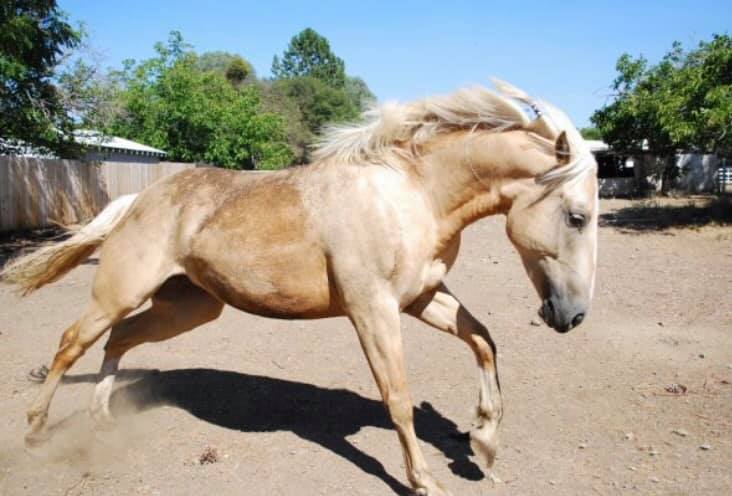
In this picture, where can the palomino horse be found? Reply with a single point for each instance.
(367, 231)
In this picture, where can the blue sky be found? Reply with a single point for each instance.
(562, 51)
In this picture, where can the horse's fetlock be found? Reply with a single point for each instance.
(36, 415)
(425, 484)
(488, 414)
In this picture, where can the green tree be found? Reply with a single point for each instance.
(223, 62)
(309, 54)
(591, 133)
(318, 104)
(196, 115)
(238, 71)
(33, 38)
(359, 93)
(89, 96)
(682, 103)
(311, 89)
(276, 100)
(697, 110)
(631, 122)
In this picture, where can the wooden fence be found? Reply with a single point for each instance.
(38, 192)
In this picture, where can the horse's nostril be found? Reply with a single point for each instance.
(577, 320)
(550, 305)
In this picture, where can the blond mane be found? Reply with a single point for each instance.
(384, 130)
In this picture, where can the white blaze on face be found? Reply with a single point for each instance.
(594, 237)
(579, 249)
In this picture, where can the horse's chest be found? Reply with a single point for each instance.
(431, 273)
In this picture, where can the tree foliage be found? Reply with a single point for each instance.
(237, 71)
(359, 94)
(310, 104)
(682, 103)
(195, 115)
(203, 108)
(88, 95)
(320, 104)
(591, 133)
(311, 86)
(33, 37)
(309, 55)
(233, 66)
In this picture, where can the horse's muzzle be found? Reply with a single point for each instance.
(559, 316)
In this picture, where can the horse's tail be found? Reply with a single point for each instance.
(54, 260)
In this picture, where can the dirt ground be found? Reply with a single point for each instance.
(250, 406)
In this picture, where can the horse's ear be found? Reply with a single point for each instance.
(561, 149)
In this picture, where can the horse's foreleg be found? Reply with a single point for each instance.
(178, 306)
(378, 327)
(443, 311)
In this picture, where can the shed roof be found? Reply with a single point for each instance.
(597, 145)
(95, 138)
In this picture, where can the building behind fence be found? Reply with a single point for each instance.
(622, 175)
(37, 192)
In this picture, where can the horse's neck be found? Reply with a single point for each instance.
(459, 195)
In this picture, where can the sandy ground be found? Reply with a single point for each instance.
(290, 407)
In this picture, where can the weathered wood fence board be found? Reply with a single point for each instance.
(37, 192)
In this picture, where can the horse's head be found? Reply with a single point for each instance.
(552, 222)
(554, 229)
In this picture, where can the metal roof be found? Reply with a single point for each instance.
(597, 145)
(95, 138)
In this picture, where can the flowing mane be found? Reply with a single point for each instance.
(385, 129)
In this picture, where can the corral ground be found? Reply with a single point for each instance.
(638, 400)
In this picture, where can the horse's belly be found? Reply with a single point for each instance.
(258, 253)
(281, 284)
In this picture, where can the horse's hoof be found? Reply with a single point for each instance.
(35, 439)
(38, 374)
(484, 442)
(103, 421)
(423, 491)
(494, 478)
(431, 488)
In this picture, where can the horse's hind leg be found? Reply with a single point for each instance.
(178, 306)
(442, 310)
(74, 342)
(117, 290)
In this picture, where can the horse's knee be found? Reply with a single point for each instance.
(68, 354)
(69, 335)
(400, 410)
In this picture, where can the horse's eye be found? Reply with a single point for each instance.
(578, 221)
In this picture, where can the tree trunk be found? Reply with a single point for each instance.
(669, 174)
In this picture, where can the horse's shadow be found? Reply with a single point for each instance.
(252, 403)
